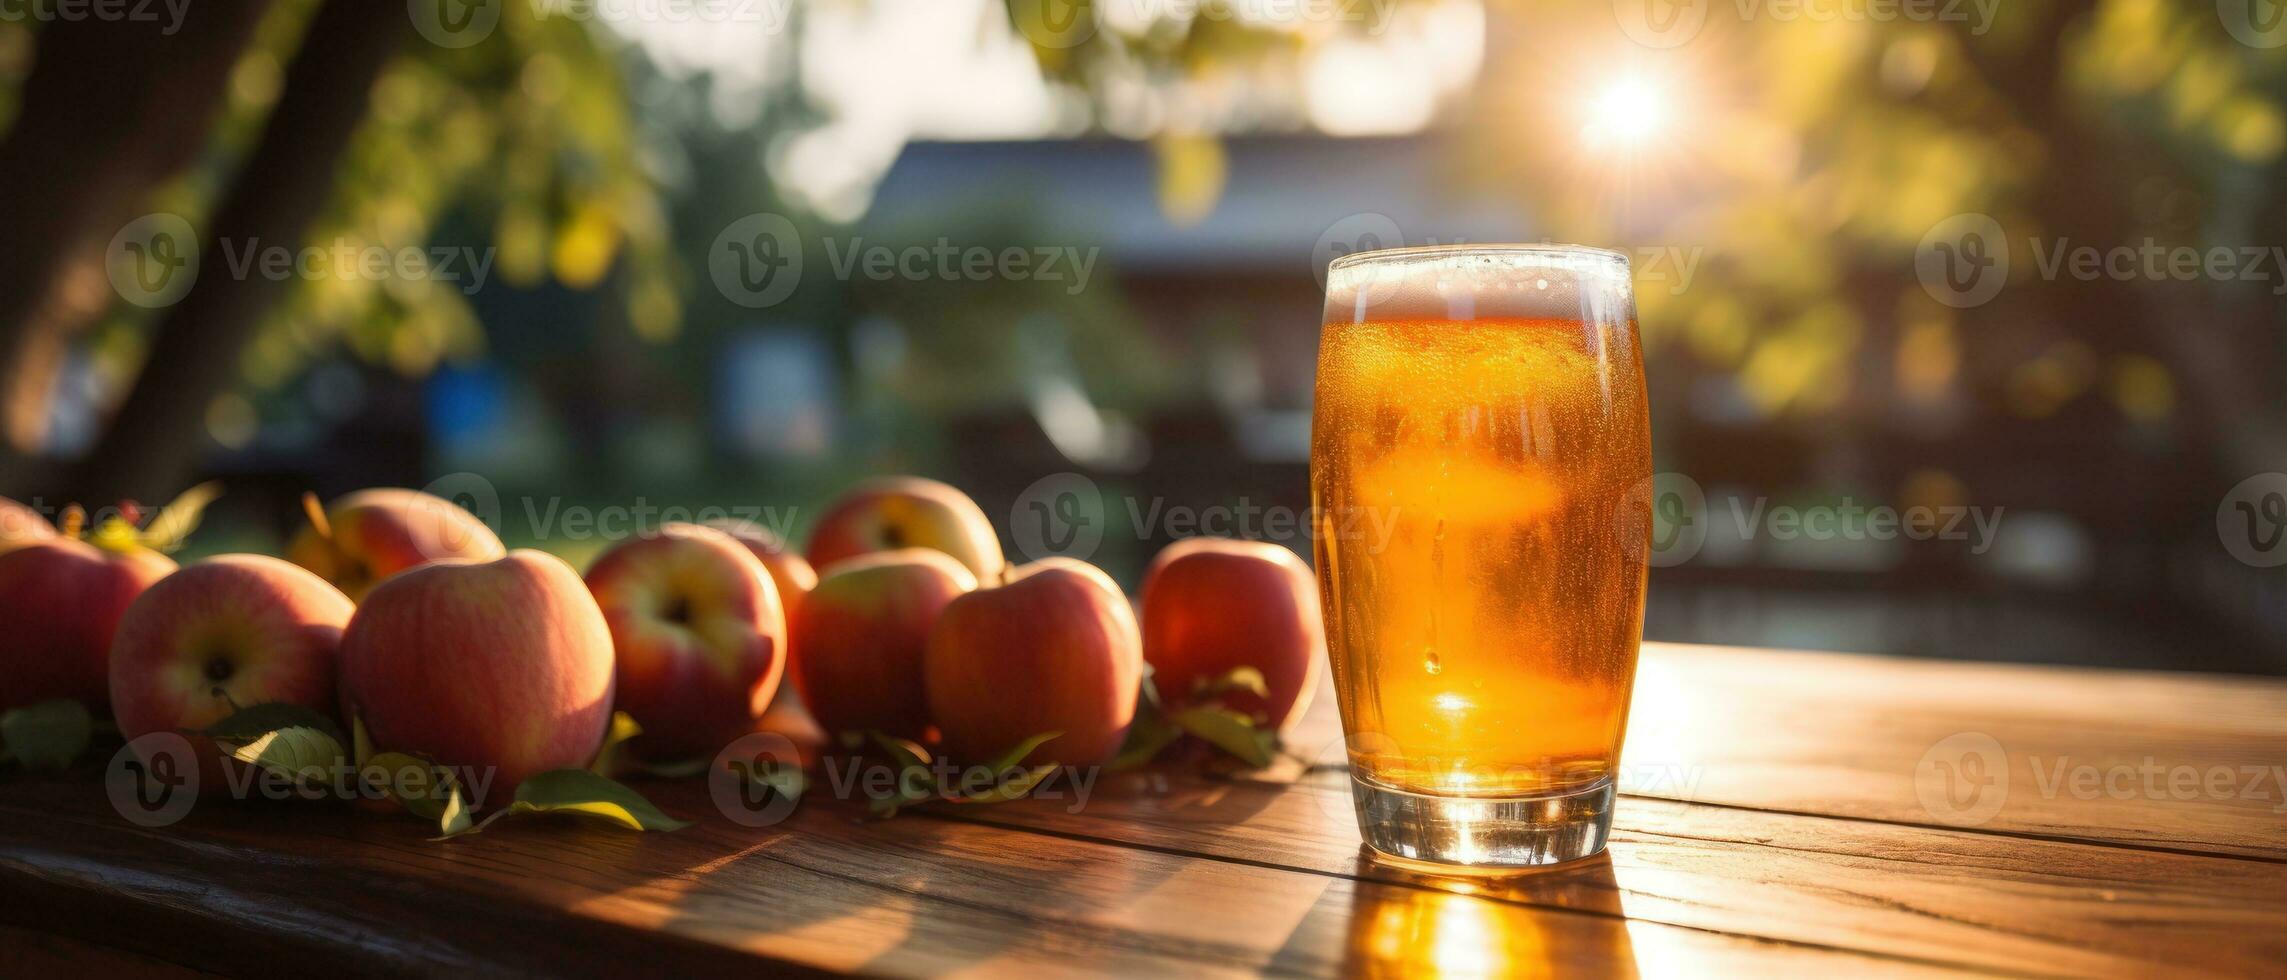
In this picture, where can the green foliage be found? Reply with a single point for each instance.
(48, 735)
(999, 780)
(574, 791)
(302, 755)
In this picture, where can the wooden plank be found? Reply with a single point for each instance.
(260, 888)
(1162, 872)
(1986, 901)
(24, 953)
(1862, 736)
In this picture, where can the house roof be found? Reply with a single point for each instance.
(1282, 195)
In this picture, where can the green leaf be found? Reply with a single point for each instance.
(1239, 679)
(47, 735)
(454, 819)
(180, 517)
(361, 744)
(422, 787)
(581, 792)
(787, 782)
(1008, 760)
(304, 755)
(1230, 731)
(1012, 788)
(1148, 736)
(1147, 694)
(623, 727)
(908, 754)
(249, 723)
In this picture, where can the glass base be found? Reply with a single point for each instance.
(1456, 833)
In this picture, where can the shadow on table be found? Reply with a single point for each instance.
(1561, 921)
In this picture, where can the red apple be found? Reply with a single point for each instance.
(701, 639)
(1212, 605)
(371, 535)
(865, 632)
(499, 669)
(907, 512)
(21, 525)
(222, 634)
(789, 571)
(60, 603)
(1052, 648)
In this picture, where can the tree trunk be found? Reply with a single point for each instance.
(109, 110)
(155, 438)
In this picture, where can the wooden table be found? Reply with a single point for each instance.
(1789, 812)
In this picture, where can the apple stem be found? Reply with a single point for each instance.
(75, 519)
(317, 514)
